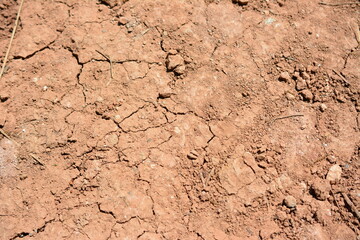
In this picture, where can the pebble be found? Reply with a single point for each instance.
(241, 2)
(305, 75)
(300, 84)
(284, 77)
(322, 107)
(123, 20)
(112, 139)
(4, 96)
(334, 173)
(290, 201)
(290, 96)
(307, 95)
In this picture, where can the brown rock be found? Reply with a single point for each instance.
(285, 77)
(123, 21)
(322, 107)
(290, 201)
(241, 2)
(307, 95)
(301, 84)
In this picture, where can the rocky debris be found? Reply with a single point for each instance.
(307, 95)
(176, 64)
(290, 201)
(320, 190)
(334, 173)
(284, 77)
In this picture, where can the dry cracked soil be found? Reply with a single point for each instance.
(181, 119)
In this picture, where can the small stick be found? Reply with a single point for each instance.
(202, 179)
(209, 176)
(30, 154)
(290, 116)
(351, 205)
(36, 159)
(8, 137)
(338, 4)
(11, 39)
(111, 67)
(341, 76)
(356, 30)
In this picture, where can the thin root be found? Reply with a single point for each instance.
(351, 205)
(111, 66)
(338, 4)
(11, 39)
(289, 116)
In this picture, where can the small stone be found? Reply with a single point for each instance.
(123, 21)
(241, 2)
(173, 51)
(290, 201)
(322, 107)
(281, 3)
(307, 95)
(4, 96)
(320, 190)
(331, 159)
(334, 173)
(300, 84)
(284, 77)
(290, 96)
(305, 75)
(112, 139)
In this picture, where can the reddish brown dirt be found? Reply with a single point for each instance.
(206, 119)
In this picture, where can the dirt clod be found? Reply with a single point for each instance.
(320, 189)
(175, 63)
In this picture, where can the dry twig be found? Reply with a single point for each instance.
(338, 4)
(289, 116)
(111, 66)
(355, 28)
(351, 205)
(341, 76)
(11, 39)
(8, 137)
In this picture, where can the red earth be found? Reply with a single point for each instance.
(182, 119)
